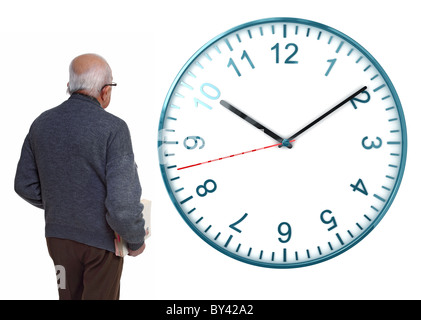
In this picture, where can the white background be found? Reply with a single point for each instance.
(146, 44)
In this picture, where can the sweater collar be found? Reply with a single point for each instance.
(77, 95)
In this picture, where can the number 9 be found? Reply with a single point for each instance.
(195, 138)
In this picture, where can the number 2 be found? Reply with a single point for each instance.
(288, 60)
(367, 99)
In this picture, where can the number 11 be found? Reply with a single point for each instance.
(232, 63)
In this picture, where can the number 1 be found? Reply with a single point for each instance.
(332, 62)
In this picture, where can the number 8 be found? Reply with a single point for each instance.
(204, 187)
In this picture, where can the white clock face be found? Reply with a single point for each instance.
(231, 117)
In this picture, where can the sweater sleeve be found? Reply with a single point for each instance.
(124, 209)
(27, 183)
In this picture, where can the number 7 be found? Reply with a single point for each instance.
(233, 226)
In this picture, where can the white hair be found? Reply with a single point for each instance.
(91, 80)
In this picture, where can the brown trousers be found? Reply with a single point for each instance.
(85, 272)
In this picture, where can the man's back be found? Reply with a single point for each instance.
(82, 154)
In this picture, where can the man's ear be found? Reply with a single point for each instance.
(105, 96)
(105, 92)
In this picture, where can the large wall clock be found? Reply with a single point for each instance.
(282, 142)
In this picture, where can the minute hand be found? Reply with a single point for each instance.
(252, 121)
(327, 113)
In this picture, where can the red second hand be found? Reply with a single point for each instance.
(231, 156)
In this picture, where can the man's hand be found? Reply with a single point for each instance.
(138, 251)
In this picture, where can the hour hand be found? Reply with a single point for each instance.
(256, 124)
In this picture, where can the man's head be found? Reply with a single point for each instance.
(90, 74)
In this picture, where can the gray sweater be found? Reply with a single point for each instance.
(77, 164)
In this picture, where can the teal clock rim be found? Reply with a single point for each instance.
(401, 120)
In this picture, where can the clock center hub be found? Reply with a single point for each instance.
(286, 143)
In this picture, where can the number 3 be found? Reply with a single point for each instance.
(372, 145)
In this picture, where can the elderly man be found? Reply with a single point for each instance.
(77, 164)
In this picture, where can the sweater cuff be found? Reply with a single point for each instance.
(135, 246)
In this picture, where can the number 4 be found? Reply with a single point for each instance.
(359, 187)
